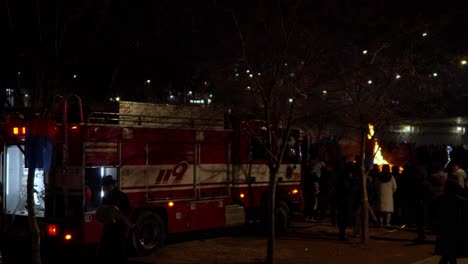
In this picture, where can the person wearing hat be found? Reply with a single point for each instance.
(113, 214)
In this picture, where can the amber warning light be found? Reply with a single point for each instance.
(18, 131)
(68, 236)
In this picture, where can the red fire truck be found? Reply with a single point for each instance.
(184, 168)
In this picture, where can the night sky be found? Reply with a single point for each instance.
(180, 44)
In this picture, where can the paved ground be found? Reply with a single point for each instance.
(306, 243)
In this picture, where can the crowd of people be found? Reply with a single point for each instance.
(429, 193)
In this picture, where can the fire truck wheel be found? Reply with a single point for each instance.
(282, 218)
(149, 233)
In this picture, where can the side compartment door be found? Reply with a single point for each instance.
(212, 170)
(212, 180)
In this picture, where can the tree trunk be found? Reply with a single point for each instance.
(33, 226)
(271, 219)
(365, 201)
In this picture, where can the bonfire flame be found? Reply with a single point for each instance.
(378, 158)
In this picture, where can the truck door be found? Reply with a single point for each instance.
(212, 180)
(212, 170)
(15, 180)
(92, 200)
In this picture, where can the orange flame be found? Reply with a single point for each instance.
(378, 158)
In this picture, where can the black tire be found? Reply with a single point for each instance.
(282, 218)
(149, 233)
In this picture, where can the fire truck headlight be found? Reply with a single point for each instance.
(295, 191)
(241, 195)
(170, 204)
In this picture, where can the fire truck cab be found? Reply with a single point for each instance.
(184, 168)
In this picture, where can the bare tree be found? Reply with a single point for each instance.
(281, 57)
(384, 86)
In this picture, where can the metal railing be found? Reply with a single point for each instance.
(159, 115)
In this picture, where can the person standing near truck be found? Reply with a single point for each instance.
(113, 214)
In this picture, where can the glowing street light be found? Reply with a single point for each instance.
(148, 81)
(398, 76)
(435, 74)
(424, 34)
(290, 100)
(364, 52)
(74, 76)
(369, 81)
(463, 62)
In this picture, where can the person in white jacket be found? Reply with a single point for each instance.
(385, 187)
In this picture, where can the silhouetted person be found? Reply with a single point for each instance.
(419, 195)
(113, 213)
(347, 197)
(324, 194)
(308, 186)
(405, 194)
(371, 179)
(397, 216)
(450, 224)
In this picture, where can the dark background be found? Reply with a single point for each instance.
(113, 47)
